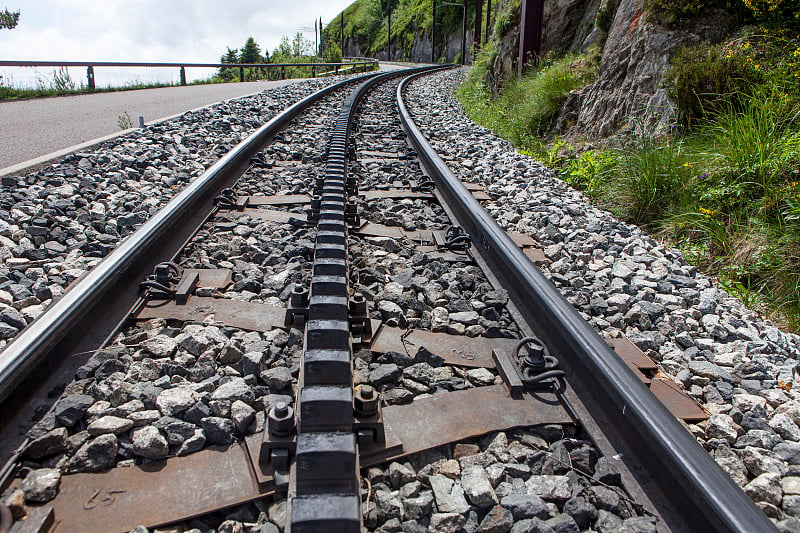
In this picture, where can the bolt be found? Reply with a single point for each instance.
(281, 409)
(367, 392)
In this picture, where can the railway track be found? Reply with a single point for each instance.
(331, 342)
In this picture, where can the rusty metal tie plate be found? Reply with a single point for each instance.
(235, 313)
(457, 350)
(460, 415)
(156, 493)
(397, 193)
(279, 199)
(677, 401)
(273, 215)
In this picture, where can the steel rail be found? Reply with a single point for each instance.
(77, 304)
(659, 449)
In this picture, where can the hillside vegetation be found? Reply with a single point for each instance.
(366, 27)
(722, 182)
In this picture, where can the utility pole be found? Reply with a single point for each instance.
(488, 18)
(389, 35)
(530, 33)
(478, 21)
(464, 35)
(433, 34)
(341, 28)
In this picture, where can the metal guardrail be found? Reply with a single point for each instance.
(695, 493)
(90, 65)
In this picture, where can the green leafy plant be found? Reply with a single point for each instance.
(124, 121)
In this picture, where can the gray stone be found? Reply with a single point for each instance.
(759, 461)
(550, 488)
(583, 512)
(218, 430)
(477, 487)
(497, 520)
(722, 426)
(242, 414)
(524, 506)
(638, 524)
(765, 488)
(41, 485)
(400, 474)
(72, 408)
(607, 472)
(384, 374)
(94, 455)
(149, 443)
(447, 522)
(449, 495)
(172, 402)
(710, 371)
(563, 523)
(234, 389)
(109, 424)
(420, 506)
(278, 378)
(480, 377)
(51, 443)
(192, 444)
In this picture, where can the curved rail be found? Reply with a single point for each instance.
(690, 483)
(31, 346)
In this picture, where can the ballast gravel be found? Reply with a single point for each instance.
(56, 222)
(736, 364)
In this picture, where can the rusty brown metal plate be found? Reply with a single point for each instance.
(273, 215)
(396, 193)
(156, 493)
(217, 278)
(523, 240)
(632, 355)
(474, 186)
(454, 416)
(370, 229)
(279, 199)
(454, 349)
(677, 401)
(244, 315)
(536, 256)
(480, 195)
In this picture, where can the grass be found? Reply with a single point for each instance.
(725, 188)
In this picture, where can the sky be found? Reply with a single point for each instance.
(147, 30)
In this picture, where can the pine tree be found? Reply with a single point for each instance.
(228, 74)
(251, 52)
(8, 19)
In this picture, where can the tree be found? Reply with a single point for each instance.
(8, 19)
(251, 52)
(333, 54)
(301, 46)
(229, 73)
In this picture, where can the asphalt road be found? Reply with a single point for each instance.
(38, 126)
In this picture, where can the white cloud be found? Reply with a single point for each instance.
(152, 30)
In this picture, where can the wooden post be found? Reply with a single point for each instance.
(478, 21)
(464, 34)
(90, 77)
(530, 33)
(183, 75)
(241, 74)
(433, 34)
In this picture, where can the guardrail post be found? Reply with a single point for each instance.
(241, 73)
(336, 71)
(283, 72)
(90, 77)
(313, 71)
(183, 75)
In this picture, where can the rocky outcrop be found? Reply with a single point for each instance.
(630, 81)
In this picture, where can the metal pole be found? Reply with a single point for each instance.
(341, 27)
(183, 76)
(530, 33)
(488, 17)
(433, 34)
(389, 36)
(464, 34)
(241, 74)
(478, 21)
(90, 77)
